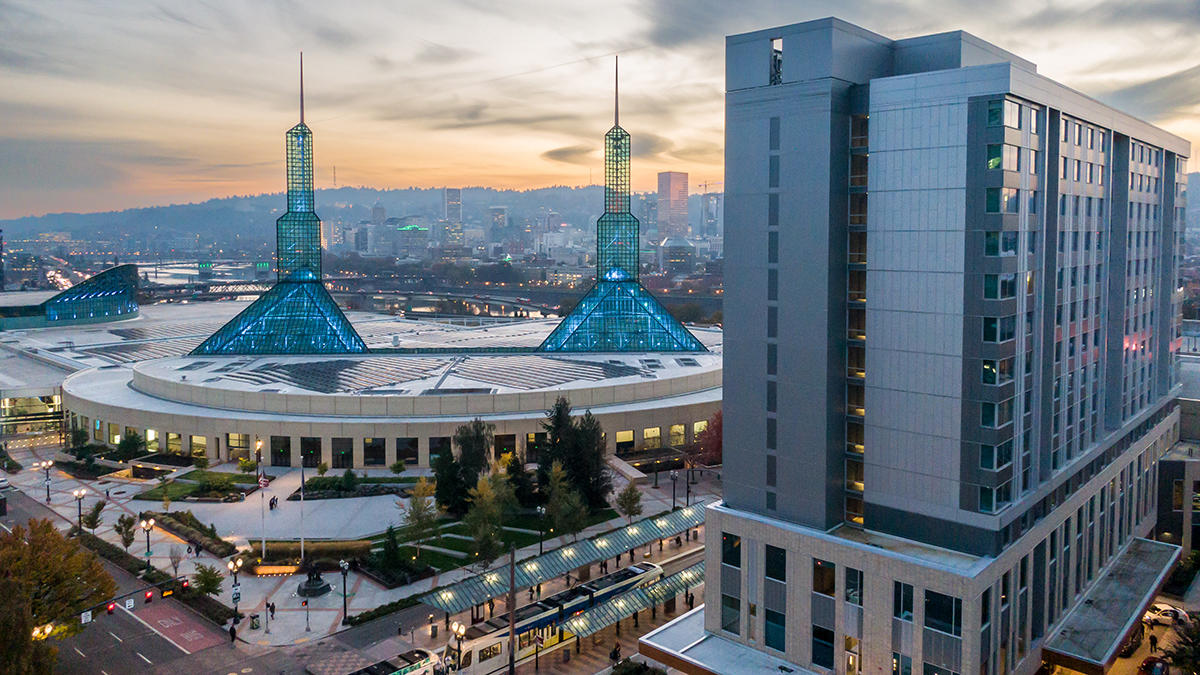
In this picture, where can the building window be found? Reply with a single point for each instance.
(858, 170)
(238, 445)
(1001, 200)
(773, 209)
(771, 395)
(374, 452)
(699, 428)
(731, 550)
(1005, 157)
(999, 286)
(999, 329)
(677, 437)
(772, 284)
(773, 177)
(199, 446)
(406, 450)
(772, 433)
(152, 440)
(775, 630)
(902, 601)
(624, 441)
(774, 139)
(943, 613)
(652, 438)
(343, 453)
(771, 501)
(858, 131)
(310, 451)
(772, 322)
(731, 608)
(995, 500)
(854, 586)
(772, 247)
(174, 443)
(997, 371)
(995, 415)
(822, 647)
(281, 451)
(995, 457)
(1000, 243)
(771, 470)
(901, 664)
(824, 578)
(772, 358)
(930, 669)
(775, 566)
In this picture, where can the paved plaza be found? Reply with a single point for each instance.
(242, 524)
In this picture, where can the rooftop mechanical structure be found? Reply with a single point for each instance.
(618, 314)
(297, 316)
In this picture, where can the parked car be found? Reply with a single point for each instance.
(4, 485)
(1153, 665)
(1131, 643)
(1162, 614)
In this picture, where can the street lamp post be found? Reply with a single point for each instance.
(233, 568)
(79, 493)
(147, 525)
(345, 591)
(458, 630)
(45, 466)
(541, 511)
(262, 494)
(674, 477)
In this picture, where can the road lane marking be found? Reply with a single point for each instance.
(141, 621)
(118, 637)
(6, 528)
(144, 658)
(79, 652)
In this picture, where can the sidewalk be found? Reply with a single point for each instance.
(241, 522)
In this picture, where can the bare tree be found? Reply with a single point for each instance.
(176, 558)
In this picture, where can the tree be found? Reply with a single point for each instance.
(132, 445)
(709, 441)
(79, 437)
(349, 481)
(587, 467)
(391, 549)
(166, 501)
(125, 528)
(565, 509)
(200, 461)
(176, 558)
(1184, 651)
(22, 654)
(422, 513)
(47, 579)
(560, 430)
(483, 521)
(207, 579)
(519, 480)
(91, 519)
(246, 465)
(397, 467)
(450, 488)
(322, 468)
(629, 502)
(474, 441)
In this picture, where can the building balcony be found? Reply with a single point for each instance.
(856, 411)
(856, 334)
(856, 373)
(856, 296)
(854, 485)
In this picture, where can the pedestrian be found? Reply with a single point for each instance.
(198, 550)
(1153, 643)
(271, 608)
(189, 550)
(232, 635)
(615, 654)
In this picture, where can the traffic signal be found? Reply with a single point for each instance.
(149, 597)
(110, 607)
(186, 584)
(168, 592)
(304, 603)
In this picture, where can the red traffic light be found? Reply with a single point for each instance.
(110, 607)
(186, 583)
(304, 603)
(149, 596)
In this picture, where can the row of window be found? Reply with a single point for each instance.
(1006, 113)
(1081, 171)
(1012, 158)
(1079, 134)
(1008, 200)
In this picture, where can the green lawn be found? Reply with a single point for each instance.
(441, 561)
(240, 478)
(177, 491)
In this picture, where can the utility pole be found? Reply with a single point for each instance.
(512, 609)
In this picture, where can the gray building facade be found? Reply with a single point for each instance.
(946, 430)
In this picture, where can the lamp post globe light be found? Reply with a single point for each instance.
(674, 477)
(147, 525)
(458, 630)
(541, 511)
(345, 567)
(45, 466)
(234, 566)
(78, 493)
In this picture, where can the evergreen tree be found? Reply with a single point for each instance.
(451, 491)
(474, 442)
(565, 509)
(629, 502)
(1184, 651)
(125, 529)
(91, 519)
(391, 549)
(520, 480)
(483, 521)
(560, 432)
(207, 579)
(587, 466)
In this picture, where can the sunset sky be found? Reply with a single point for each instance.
(109, 105)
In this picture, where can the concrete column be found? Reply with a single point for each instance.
(423, 452)
(359, 456)
(327, 451)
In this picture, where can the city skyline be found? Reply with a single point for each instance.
(410, 95)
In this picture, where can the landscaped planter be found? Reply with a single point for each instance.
(365, 490)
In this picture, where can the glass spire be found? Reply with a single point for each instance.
(298, 232)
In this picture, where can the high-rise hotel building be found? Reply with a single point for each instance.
(952, 315)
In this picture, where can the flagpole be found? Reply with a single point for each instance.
(301, 508)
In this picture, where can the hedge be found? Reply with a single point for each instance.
(187, 527)
(353, 548)
(382, 610)
(211, 608)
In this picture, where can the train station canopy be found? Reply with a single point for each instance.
(624, 605)
(473, 591)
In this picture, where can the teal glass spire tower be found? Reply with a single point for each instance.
(297, 316)
(618, 314)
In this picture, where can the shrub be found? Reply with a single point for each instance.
(200, 462)
(631, 667)
(334, 550)
(217, 484)
(245, 465)
(187, 527)
(382, 610)
(349, 481)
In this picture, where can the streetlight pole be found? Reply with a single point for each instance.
(147, 525)
(79, 493)
(262, 494)
(345, 592)
(674, 477)
(541, 511)
(233, 569)
(45, 466)
(458, 630)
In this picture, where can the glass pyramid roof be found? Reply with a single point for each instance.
(294, 317)
(620, 316)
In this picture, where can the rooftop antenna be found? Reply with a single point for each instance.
(302, 87)
(616, 90)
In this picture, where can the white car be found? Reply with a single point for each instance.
(1160, 613)
(4, 483)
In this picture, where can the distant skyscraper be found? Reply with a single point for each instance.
(378, 213)
(672, 204)
(452, 205)
(498, 217)
(714, 213)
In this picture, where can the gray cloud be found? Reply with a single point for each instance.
(646, 145)
(571, 154)
(1160, 98)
